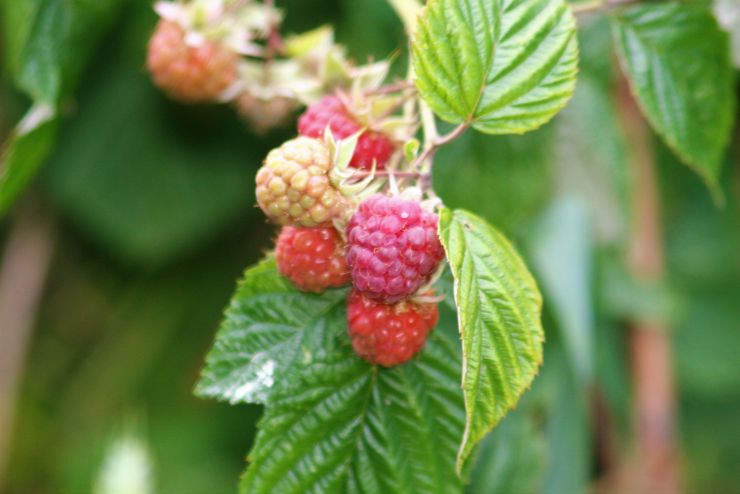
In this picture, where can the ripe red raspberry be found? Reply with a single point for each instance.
(388, 334)
(191, 74)
(294, 187)
(394, 248)
(330, 111)
(312, 258)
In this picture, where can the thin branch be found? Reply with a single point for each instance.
(654, 465)
(23, 271)
(437, 142)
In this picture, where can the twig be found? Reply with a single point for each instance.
(436, 143)
(23, 270)
(656, 458)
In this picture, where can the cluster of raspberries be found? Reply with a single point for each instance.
(391, 251)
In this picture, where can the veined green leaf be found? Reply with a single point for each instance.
(677, 60)
(504, 66)
(270, 330)
(499, 308)
(344, 426)
(332, 422)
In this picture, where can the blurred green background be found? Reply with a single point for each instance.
(153, 220)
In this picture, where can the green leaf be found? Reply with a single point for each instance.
(27, 147)
(499, 308)
(49, 42)
(567, 426)
(591, 158)
(677, 60)
(511, 458)
(561, 251)
(332, 422)
(504, 66)
(269, 331)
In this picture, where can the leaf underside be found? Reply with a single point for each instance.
(499, 308)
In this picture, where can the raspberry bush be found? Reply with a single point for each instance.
(386, 333)
(354, 193)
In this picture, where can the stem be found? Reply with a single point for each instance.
(23, 271)
(425, 159)
(655, 446)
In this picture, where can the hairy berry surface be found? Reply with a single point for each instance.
(312, 258)
(191, 74)
(330, 112)
(394, 248)
(293, 185)
(385, 334)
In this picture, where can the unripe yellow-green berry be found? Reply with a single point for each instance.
(293, 185)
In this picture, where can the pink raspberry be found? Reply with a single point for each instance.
(394, 248)
(312, 258)
(388, 335)
(330, 111)
(191, 74)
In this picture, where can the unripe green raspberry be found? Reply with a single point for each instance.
(294, 187)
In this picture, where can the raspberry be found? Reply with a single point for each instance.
(191, 74)
(393, 248)
(293, 185)
(312, 258)
(388, 334)
(330, 111)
